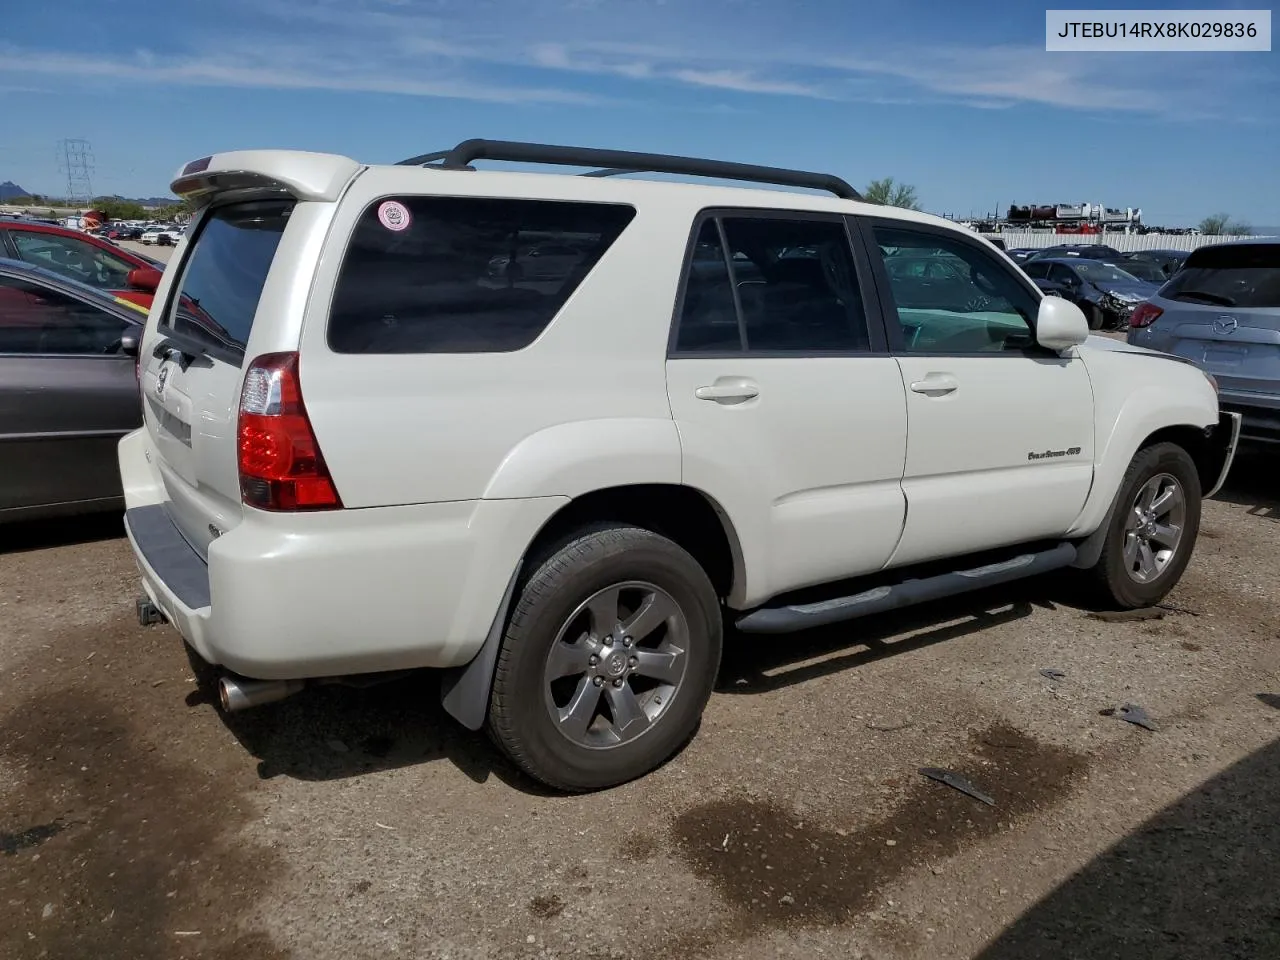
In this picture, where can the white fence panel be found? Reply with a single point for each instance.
(1124, 242)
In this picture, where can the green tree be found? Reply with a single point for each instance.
(892, 194)
(118, 209)
(1221, 225)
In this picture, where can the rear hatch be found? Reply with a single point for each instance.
(1222, 310)
(191, 373)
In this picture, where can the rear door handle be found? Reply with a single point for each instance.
(936, 385)
(728, 392)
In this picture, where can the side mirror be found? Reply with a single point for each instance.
(129, 344)
(1060, 325)
(144, 278)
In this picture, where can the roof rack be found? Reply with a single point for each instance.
(616, 162)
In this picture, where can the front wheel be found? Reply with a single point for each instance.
(1094, 317)
(608, 660)
(1153, 529)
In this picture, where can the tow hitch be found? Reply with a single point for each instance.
(149, 613)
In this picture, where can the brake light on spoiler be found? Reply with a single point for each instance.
(281, 467)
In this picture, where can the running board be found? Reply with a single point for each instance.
(908, 593)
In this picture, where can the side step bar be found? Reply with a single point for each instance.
(802, 616)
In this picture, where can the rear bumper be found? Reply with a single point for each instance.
(293, 596)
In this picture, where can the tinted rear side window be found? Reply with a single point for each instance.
(464, 274)
(224, 275)
(1246, 276)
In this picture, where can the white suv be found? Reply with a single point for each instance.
(550, 432)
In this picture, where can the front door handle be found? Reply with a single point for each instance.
(936, 385)
(728, 392)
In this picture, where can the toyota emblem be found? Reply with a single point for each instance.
(1225, 324)
(161, 379)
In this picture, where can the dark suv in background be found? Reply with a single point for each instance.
(1222, 310)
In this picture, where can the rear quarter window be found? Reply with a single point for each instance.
(464, 274)
(1245, 276)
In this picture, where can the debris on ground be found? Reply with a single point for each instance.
(31, 837)
(1131, 713)
(1052, 674)
(1270, 699)
(957, 782)
(888, 726)
(1127, 616)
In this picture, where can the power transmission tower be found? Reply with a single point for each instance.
(75, 159)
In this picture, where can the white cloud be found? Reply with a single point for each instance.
(261, 73)
(744, 82)
(542, 52)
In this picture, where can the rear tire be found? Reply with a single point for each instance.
(1152, 532)
(578, 702)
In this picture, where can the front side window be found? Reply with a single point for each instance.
(789, 286)
(464, 274)
(962, 300)
(36, 320)
(73, 258)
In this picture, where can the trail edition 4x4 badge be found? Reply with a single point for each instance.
(1049, 454)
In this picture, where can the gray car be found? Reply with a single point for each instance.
(1222, 310)
(68, 392)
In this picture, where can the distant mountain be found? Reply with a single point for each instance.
(9, 190)
(145, 201)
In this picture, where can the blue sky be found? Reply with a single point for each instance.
(958, 98)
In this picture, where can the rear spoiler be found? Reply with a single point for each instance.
(296, 173)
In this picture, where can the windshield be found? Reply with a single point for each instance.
(1093, 270)
(224, 276)
(1247, 275)
(1144, 270)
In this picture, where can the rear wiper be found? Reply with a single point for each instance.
(186, 347)
(1214, 298)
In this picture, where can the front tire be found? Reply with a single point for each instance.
(1153, 530)
(608, 660)
(1094, 317)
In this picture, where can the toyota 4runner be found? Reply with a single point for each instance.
(552, 433)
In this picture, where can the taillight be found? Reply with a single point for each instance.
(280, 463)
(1144, 315)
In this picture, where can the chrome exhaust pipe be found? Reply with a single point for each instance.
(238, 693)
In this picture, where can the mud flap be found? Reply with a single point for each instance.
(1221, 450)
(464, 691)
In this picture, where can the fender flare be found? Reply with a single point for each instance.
(622, 451)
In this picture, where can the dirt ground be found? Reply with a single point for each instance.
(137, 822)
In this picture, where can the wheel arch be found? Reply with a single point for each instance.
(684, 514)
(1199, 446)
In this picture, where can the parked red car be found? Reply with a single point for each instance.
(83, 258)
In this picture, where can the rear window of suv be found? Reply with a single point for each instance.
(1245, 275)
(464, 274)
(223, 277)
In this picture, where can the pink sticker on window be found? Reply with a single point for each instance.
(393, 215)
